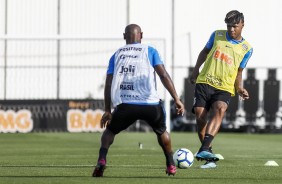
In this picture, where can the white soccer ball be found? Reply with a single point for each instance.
(183, 158)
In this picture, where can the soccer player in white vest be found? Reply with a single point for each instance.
(131, 87)
(225, 56)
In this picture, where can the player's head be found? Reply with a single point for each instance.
(234, 17)
(235, 23)
(132, 34)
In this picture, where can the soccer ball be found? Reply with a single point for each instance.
(183, 158)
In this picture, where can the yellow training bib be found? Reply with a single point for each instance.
(222, 63)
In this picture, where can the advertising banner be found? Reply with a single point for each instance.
(23, 116)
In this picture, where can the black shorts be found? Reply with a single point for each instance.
(125, 115)
(206, 95)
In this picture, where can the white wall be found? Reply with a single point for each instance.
(107, 19)
(201, 18)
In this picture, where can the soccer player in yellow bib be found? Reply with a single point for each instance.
(225, 56)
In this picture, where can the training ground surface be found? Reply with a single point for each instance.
(69, 158)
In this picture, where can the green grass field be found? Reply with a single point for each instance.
(69, 158)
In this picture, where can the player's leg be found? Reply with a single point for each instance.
(106, 140)
(218, 108)
(165, 143)
(122, 118)
(201, 119)
(200, 108)
(219, 100)
(201, 122)
(154, 115)
(202, 104)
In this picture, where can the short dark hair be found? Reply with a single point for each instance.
(234, 17)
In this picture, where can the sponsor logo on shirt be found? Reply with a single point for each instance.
(213, 80)
(219, 33)
(130, 48)
(220, 56)
(245, 47)
(123, 56)
(126, 87)
(130, 96)
(129, 69)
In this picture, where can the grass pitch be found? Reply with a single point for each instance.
(70, 157)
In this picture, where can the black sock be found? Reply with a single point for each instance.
(103, 153)
(169, 159)
(206, 142)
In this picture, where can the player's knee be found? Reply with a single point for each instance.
(201, 120)
(220, 111)
(160, 131)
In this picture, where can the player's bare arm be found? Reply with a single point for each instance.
(107, 116)
(168, 84)
(242, 92)
(201, 59)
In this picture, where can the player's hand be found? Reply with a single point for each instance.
(243, 94)
(106, 119)
(179, 107)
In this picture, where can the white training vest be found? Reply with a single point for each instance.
(134, 80)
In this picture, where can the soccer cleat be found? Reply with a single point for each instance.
(208, 165)
(206, 155)
(171, 170)
(99, 169)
